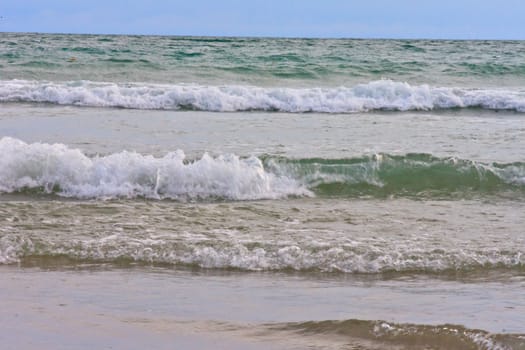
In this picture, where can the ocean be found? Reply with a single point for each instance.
(258, 193)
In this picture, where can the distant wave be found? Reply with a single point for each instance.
(377, 95)
(40, 168)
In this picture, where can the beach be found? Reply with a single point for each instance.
(238, 193)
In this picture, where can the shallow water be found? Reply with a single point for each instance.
(310, 235)
(155, 307)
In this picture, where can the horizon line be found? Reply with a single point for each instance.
(267, 36)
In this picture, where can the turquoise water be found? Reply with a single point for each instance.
(261, 62)
(391, 170)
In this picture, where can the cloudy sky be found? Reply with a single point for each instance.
(459, 19)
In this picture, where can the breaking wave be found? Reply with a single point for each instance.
(377, 95)
(56, 169)
(46, 168)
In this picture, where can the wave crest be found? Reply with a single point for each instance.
(57, 169)
(412, 174)
(376, 95)
(68, 172)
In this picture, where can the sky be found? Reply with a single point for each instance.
(433, 19)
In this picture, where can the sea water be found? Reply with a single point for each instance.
(261, 193)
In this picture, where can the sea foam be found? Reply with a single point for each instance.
(376, 95)
(260, 253)
(55, 168)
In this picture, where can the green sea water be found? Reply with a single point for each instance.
(259, 61)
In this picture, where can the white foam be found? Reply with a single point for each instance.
(263, 256)
(129, 174)
(376, 95)
(483, 340)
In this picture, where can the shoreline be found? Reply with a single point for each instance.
(151, 307)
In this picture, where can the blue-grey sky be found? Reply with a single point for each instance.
(454, 19)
